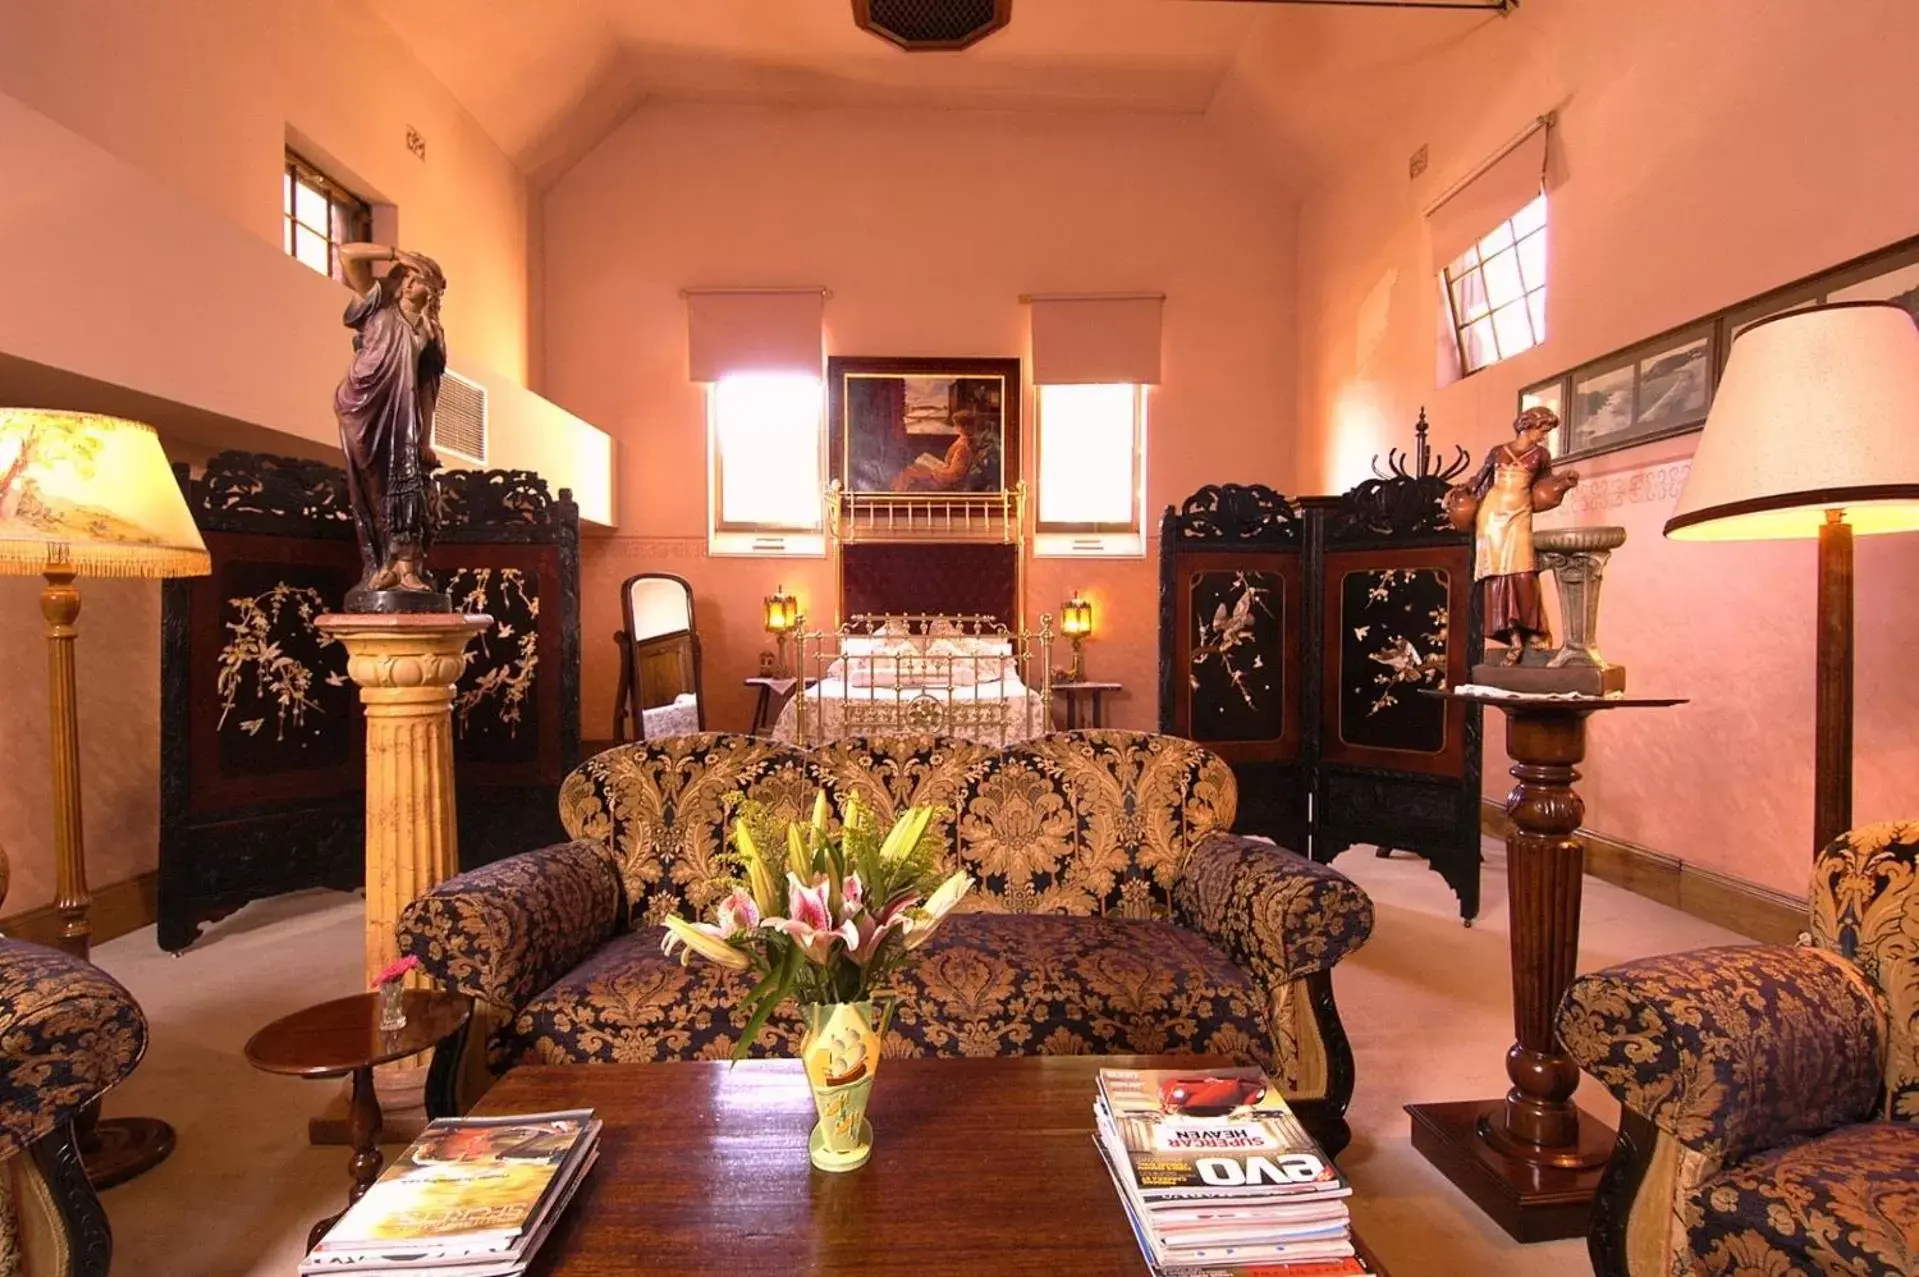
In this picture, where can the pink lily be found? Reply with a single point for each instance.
(811, 926)
(852, 892)
(738, 913)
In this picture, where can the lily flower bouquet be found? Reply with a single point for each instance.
(826, 916)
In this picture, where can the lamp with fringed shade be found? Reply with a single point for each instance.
(88, 495)
(1814, 432)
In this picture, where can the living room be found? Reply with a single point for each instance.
(1277, 225)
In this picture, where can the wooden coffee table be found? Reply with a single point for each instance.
(979, 1166)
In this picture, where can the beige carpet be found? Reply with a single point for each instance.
(1427, 1004)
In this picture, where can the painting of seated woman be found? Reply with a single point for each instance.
(936, 426)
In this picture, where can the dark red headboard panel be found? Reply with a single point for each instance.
(947, 577)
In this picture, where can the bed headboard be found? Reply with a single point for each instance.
(879, 578)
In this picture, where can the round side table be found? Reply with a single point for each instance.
(343, 1038)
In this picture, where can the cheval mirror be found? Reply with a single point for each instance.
(660, 691)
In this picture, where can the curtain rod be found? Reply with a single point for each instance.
(1028, 298)
(708, 292)
(1512, 144)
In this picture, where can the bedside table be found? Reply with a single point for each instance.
(774, 693)
(1072, 694)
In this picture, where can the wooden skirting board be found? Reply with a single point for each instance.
(1719, 898)
(118, 907)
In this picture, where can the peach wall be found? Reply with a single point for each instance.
(139, 239)
(927, 227)
(1706, 152)
(201, 95)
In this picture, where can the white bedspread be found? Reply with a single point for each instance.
(998, 713)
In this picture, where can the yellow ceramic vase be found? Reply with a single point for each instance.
(841, 1051)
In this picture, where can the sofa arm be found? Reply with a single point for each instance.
(502, 933)
(1277, 914)
(1732, 1050)
(68, 1033)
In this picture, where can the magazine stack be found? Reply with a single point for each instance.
(472, 1197)
(1219, 1178)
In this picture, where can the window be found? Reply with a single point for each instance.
(1497, 290)
(319, 216)
(1091, 445)
(766, 487)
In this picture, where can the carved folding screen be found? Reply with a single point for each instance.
(1298, 642)
(1232, 611)
(262, 741)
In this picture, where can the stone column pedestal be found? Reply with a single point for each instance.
(406, 665)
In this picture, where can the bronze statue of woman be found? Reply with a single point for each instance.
(385, 406)
(1516, 483)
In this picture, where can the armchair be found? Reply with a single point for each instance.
(68, 1034)
(1767, 1092)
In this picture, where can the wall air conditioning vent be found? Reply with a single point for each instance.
(932, 24)
(459, 419)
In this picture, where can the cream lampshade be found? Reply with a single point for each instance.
(1814, 432)
(1817, 410)
(86, 495)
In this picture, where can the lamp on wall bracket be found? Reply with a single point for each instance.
(1814, 432)
(1076, 623)
(782, 618)
(87, 495)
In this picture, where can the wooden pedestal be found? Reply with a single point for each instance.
(1532, 1160)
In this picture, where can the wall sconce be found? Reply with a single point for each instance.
(1076, 623)
(782, 617)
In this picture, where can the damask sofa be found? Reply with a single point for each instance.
(1115, 913)
(68, 1034)
(1770, 1093)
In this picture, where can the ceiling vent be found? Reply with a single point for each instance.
(916, 25)
(459, 419)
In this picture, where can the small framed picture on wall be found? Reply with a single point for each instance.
(1651, 391)
(1548, 394)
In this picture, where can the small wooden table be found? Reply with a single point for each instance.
(774, 693)
(979, 1166)
(343, 1037)
(1071, 694)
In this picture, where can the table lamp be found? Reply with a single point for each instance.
(782, 614)
(1076, 623)
(1814, 432)
(86, 495)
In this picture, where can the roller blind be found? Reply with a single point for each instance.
(1096, 340)
(741, 331)
(1505, 186)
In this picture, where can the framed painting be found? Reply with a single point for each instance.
(928, 426)
(1548, 394)
(1888, 276)
(1654, 390)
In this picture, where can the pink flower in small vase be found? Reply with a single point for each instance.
(396, 970)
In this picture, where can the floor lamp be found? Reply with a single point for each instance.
(85, 495)
(1814, 432)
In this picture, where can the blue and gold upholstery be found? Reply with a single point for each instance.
(1769, 1091)
(68, 1034)
(1115, 913)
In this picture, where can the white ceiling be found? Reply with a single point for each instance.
(549, 79)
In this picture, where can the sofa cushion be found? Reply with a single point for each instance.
(1090, 822)
(1844, 1203)
(663, 808)
(985, 985)
(1863, 900)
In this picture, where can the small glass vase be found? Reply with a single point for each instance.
(392, 1005)
(841, 1052)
